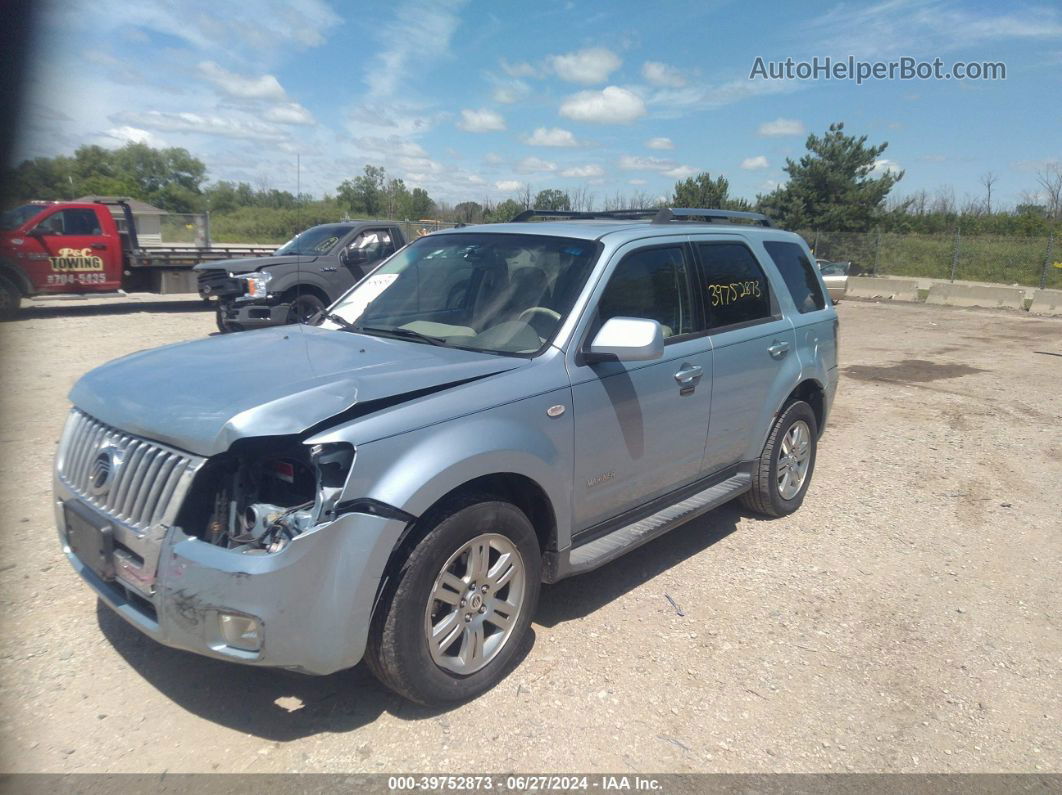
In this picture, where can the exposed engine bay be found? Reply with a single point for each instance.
(252, 500)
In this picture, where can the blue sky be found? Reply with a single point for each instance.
(473, 99)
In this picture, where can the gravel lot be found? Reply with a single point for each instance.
(906, 619)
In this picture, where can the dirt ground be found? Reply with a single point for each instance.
(906, 619)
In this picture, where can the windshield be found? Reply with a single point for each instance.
(502, 293)
(14, 218)
(315, 241)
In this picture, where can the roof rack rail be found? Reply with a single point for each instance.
(577, 215)
(669, 214)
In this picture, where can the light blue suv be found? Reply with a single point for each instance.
(491, 408)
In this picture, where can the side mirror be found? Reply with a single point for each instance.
(628, 339)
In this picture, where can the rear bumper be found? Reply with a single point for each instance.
(313, 600)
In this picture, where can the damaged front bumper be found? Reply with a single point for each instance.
(306, 607)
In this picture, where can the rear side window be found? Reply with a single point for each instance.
(735, 287)
(798, 274)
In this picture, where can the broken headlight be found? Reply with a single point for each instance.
(258, 499)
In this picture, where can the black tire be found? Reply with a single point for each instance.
(304, 307)
(224, 326)
(397, 651)
(10, 298)
(765, 497)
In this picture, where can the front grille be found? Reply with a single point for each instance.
(218, 282)
(137, 482)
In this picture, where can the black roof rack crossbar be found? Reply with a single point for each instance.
(668, 214)
(577, 215)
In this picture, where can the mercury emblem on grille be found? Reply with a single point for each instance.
(104, 471)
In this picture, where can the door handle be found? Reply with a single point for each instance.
(99, 246)
(329, 269)
(779, 349)
(688, 374)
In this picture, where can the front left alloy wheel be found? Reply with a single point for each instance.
(461, 604)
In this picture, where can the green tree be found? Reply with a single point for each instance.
(364, 194)
(468, 212)
(420, 205)
(552, 199)
(704, 192)
(831, 187)
(506, 211)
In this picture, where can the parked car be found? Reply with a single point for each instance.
(492, 408)
(301, 278)
(835, 277)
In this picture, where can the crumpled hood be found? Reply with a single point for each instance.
(251, 264)
(203, 395)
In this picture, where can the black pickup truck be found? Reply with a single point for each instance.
(302, 277)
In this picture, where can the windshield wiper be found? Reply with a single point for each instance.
(341, 321)
(406, 333)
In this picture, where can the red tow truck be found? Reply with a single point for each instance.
(63, 248)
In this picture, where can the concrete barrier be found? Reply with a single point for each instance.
(1047, 302)
(891, 289)
(972, 295)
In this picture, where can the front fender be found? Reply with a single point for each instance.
(306, 275)
(412, 471)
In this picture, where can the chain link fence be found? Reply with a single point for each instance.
(1030, 261)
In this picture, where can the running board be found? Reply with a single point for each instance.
(609, 547)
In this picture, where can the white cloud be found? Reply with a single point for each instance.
(255, 28)
(204, 124)
(519, 69)
(612, 105)
(659, 143)
(127, 134)
(493, 158)
(416, 33)
(662, 75)
(509, 184)
(234, 85)
(390, 145)
(552, 136)
(668, 168)
(636, 181)
(639, 163)
(589, 170)
(482, 120)
(288, 113)
(753, 163)
(589, 66)
(779, 127)
(510, 91)
(903, 26)
(533, 165)
(886, 166)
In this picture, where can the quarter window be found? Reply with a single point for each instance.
(735, 287)
(653, 284)
(798, 275)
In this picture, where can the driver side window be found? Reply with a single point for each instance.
(376, 243)
(654, 284)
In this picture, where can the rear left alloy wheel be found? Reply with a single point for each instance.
(462, 604)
